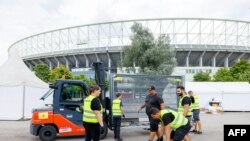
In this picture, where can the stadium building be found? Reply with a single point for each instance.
(200, 44)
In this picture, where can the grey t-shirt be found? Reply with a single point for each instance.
(153, 101)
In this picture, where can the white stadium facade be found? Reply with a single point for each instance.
(200, 44)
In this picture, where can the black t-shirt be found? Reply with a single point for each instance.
(96, 104)
(186, 100)
(192, 99)
(153, 101)
(167, 118)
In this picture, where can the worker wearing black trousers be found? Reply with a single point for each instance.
(153, 101)
(117, 111)
(92, 114)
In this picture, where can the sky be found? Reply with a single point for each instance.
(22, 18)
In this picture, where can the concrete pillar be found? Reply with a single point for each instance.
(201, 59)
(34, 63)
(214, 62)
(67, 61)
(77, 62)
(226, 60)
(50, 64)
(97, 58)
(240, 56)
(57, 62)
(30, 66)
(214, 59)
(87, 61)
(187, 59)
(109, 63)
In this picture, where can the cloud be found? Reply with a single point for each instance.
(20, 18)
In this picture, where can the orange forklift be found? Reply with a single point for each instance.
(64, 116)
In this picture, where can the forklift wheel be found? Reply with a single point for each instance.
(47, 133)
(104, 132)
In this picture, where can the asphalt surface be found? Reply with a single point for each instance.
(212, 129)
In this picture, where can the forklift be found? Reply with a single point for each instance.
(64, 116)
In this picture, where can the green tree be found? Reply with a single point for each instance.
(245, 77)
(90, 82)
(85, 79)
(202, 77)
(42, 71)
(61, 72)
(240, 70)
(223, 74)
(151, 55)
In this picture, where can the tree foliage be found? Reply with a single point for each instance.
(61, 72)
(202, 77)
(82, 77)
(150, 54)
(223, 74)
(42, 71)
(90, 82)
(240, 71)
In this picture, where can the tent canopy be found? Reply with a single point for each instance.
(20, 89)
(14, 73)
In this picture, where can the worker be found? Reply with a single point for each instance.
(184, 106)
(184, 103)
(153, 101)
(195, 108)
(92, 114)
(172, 120)
(118, 112)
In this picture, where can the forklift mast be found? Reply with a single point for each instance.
(100, 80)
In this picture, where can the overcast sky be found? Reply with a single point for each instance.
(22, 18)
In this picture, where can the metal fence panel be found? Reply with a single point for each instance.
(134, 90)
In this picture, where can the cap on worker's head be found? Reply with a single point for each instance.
(151, 88)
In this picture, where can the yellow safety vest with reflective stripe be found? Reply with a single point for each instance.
(195, 105)
(116, 107)
(180, 107)
(179, 119)
(88, 114)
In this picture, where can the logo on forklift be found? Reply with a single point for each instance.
(64, 129)
(43, 115)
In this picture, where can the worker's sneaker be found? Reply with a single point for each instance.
(120, 139)
(194, 131)
(198, 132)
(160, 139)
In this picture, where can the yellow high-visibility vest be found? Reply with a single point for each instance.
(116, 107)
(195, 105)
(180, 107)
(179, 119)
(88, 114)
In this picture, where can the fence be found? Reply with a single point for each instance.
(134, 90)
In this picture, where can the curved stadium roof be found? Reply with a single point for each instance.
(199, 39)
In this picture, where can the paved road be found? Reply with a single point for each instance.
(212, 125)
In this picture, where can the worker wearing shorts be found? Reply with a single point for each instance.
(196, 112)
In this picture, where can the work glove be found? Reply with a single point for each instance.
(139, 110)
(101, 129)
(123, 116)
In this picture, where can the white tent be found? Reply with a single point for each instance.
(20, 89)
(233, 95)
